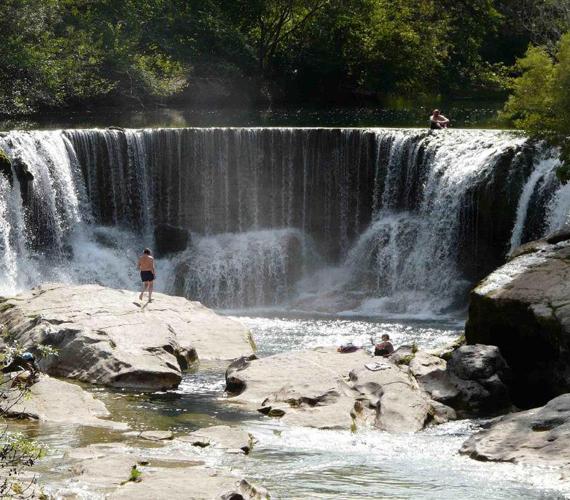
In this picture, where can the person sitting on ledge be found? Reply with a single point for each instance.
(437, 120)
(384, 348)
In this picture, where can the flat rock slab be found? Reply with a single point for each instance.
(106, 336)
(105, 469)
(51, 400)
(151, 435)
(232, 439)
(540, 436)
(325, 389)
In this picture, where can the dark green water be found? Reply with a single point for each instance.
(465, 114)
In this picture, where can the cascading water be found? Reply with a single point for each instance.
(376, 220)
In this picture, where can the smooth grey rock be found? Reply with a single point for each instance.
(477, 362)
(523, 308)
(151, 435)
(326, 389)
(105, 469)
(106, 336)
(540, 436)
(52, 400)
(471, 382)
(232, 439)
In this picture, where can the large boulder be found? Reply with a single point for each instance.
(105, 336)
(540, 436)
(471, 381)
(524, 309)
(52, 400)
(325, 389)
(170, 239)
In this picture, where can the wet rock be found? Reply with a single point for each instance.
(22, 170)
(52, 400)
(152, 435)
(325, 389)
(170, 239)
(228, 438)
(540, 436)
(6, 166)
(472, 382)
(524, 309)
(105, 469)
(108, 337)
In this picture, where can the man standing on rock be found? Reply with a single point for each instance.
(146, 267)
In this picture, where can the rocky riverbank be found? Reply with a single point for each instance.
(102, 337)
(107, 337)
(524, 309)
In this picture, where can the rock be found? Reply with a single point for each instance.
(325, 389)
(151, 435)
(477, 362)
(558, 236)
(22, 170)
(105, 336)
(540, 436)
(471, 382)
(170, 239)
(221, 436)
(524, 309)
(51, 400)
(6, 166)
(105, 469)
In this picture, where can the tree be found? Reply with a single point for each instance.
(540, 100)
(268, 24)
(545, 20)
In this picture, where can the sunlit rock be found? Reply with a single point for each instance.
(524, 309)
(106, 336)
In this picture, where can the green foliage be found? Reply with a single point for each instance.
(47, 350)
(540, 100)
(135, 475)
(58, 53)
(406, 360)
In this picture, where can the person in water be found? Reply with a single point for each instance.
(384, 348)
(437, 120)
(148, 273)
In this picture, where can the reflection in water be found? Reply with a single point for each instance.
(464, 115)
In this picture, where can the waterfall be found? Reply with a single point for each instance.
(391, 220)
(545, 167)
(233, 270)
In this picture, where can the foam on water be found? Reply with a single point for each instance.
(379, 465)
(357, 221)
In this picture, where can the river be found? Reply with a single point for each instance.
(309, 236)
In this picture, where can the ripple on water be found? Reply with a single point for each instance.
(274, 335)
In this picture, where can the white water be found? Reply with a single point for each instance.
(351, 222)
(294, 462)
(545, 168)
(341, 221)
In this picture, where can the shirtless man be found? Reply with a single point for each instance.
(146, 267)
(437, 120)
